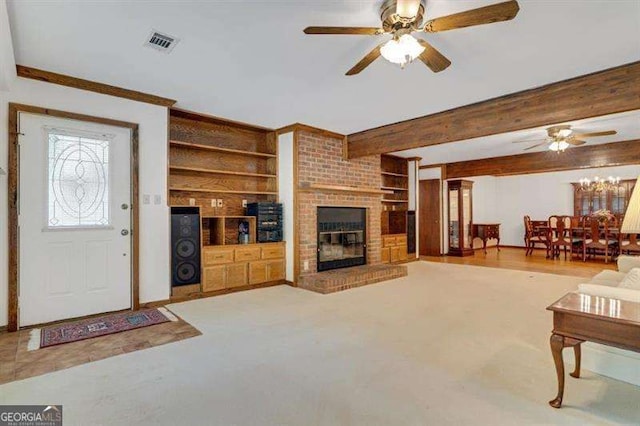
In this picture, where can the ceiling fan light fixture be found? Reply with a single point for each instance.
(558, 146)
(407, 8)
(401, 51)
(563, 133)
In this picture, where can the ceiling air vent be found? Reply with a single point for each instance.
(162, 42)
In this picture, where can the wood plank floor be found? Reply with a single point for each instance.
(17, 362)
(514, 258)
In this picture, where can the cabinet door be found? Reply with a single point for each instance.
(394, 254)
(275, 270)
(385, 255)
(237, 275)
(258, 272)
(214, 278)
(403, 255)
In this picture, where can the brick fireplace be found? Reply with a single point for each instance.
(320, 161)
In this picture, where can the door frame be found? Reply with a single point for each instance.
(14, 186)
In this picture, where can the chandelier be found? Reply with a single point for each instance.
(402, 50)
(598, 184)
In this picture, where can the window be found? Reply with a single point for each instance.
(77, 180)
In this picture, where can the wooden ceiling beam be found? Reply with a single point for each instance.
(605, 92)
(92, 86)
(586, 157)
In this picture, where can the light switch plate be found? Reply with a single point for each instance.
(146, 199)
(192, 201)
(157, 199)
(306, 265)
(244, 203)
(214, 202)
(220, 203)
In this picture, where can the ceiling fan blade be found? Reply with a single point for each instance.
(530, 140)
(484, 15)
(594, 134)
(366, 61)
(575, 142)
(344, 30)
(535, 146)
(432, 58)
(407, 8)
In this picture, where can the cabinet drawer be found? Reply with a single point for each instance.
(388, 241)
(401, 240)
(216, 255)
(257, 272)
(245, 254)
(213, 278)
(237, 275)
(385, 255)
(275, 270)
(273, 252)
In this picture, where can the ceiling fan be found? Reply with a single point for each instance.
(562, 137)
(400, 18)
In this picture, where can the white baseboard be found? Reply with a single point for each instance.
(611, 362)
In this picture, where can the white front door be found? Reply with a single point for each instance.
(74, 219)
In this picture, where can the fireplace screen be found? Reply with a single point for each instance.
(341, 237)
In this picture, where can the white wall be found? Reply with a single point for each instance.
(154, 219)
(285, 188)
(7, 62)
(508, 199)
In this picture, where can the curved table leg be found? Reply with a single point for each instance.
(498, 245)
(578, 352)
(557, 344)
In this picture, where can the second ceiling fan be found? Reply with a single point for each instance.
(400, 18)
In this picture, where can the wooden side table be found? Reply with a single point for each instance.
(486, 232)
(579, 317)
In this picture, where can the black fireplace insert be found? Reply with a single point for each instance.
(342, 237)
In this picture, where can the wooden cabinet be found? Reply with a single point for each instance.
(227, 267)
(460, 217)
(394, 248)
(615, 200)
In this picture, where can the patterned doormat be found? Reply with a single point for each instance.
(100, 326)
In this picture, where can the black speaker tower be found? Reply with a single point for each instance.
(185, 246)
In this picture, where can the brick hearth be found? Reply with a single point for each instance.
(344, 279)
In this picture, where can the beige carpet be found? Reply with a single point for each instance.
(449, 344)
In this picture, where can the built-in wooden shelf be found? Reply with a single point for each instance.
(339, 188)
(394, 201)
(219, 172)
(395, 174)
(393, 188)
(220, 191)
(220, 149)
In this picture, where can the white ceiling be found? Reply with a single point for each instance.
(250, 61)
(626, 124)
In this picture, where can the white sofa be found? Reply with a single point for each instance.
(605, 360)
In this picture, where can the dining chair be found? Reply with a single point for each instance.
(563, 236)
(532, 236)
(629, 244)
(598, 237)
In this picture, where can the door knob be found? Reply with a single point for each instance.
(124, 232)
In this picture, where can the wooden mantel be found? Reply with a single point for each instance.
(605, 92)
(312, 187)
